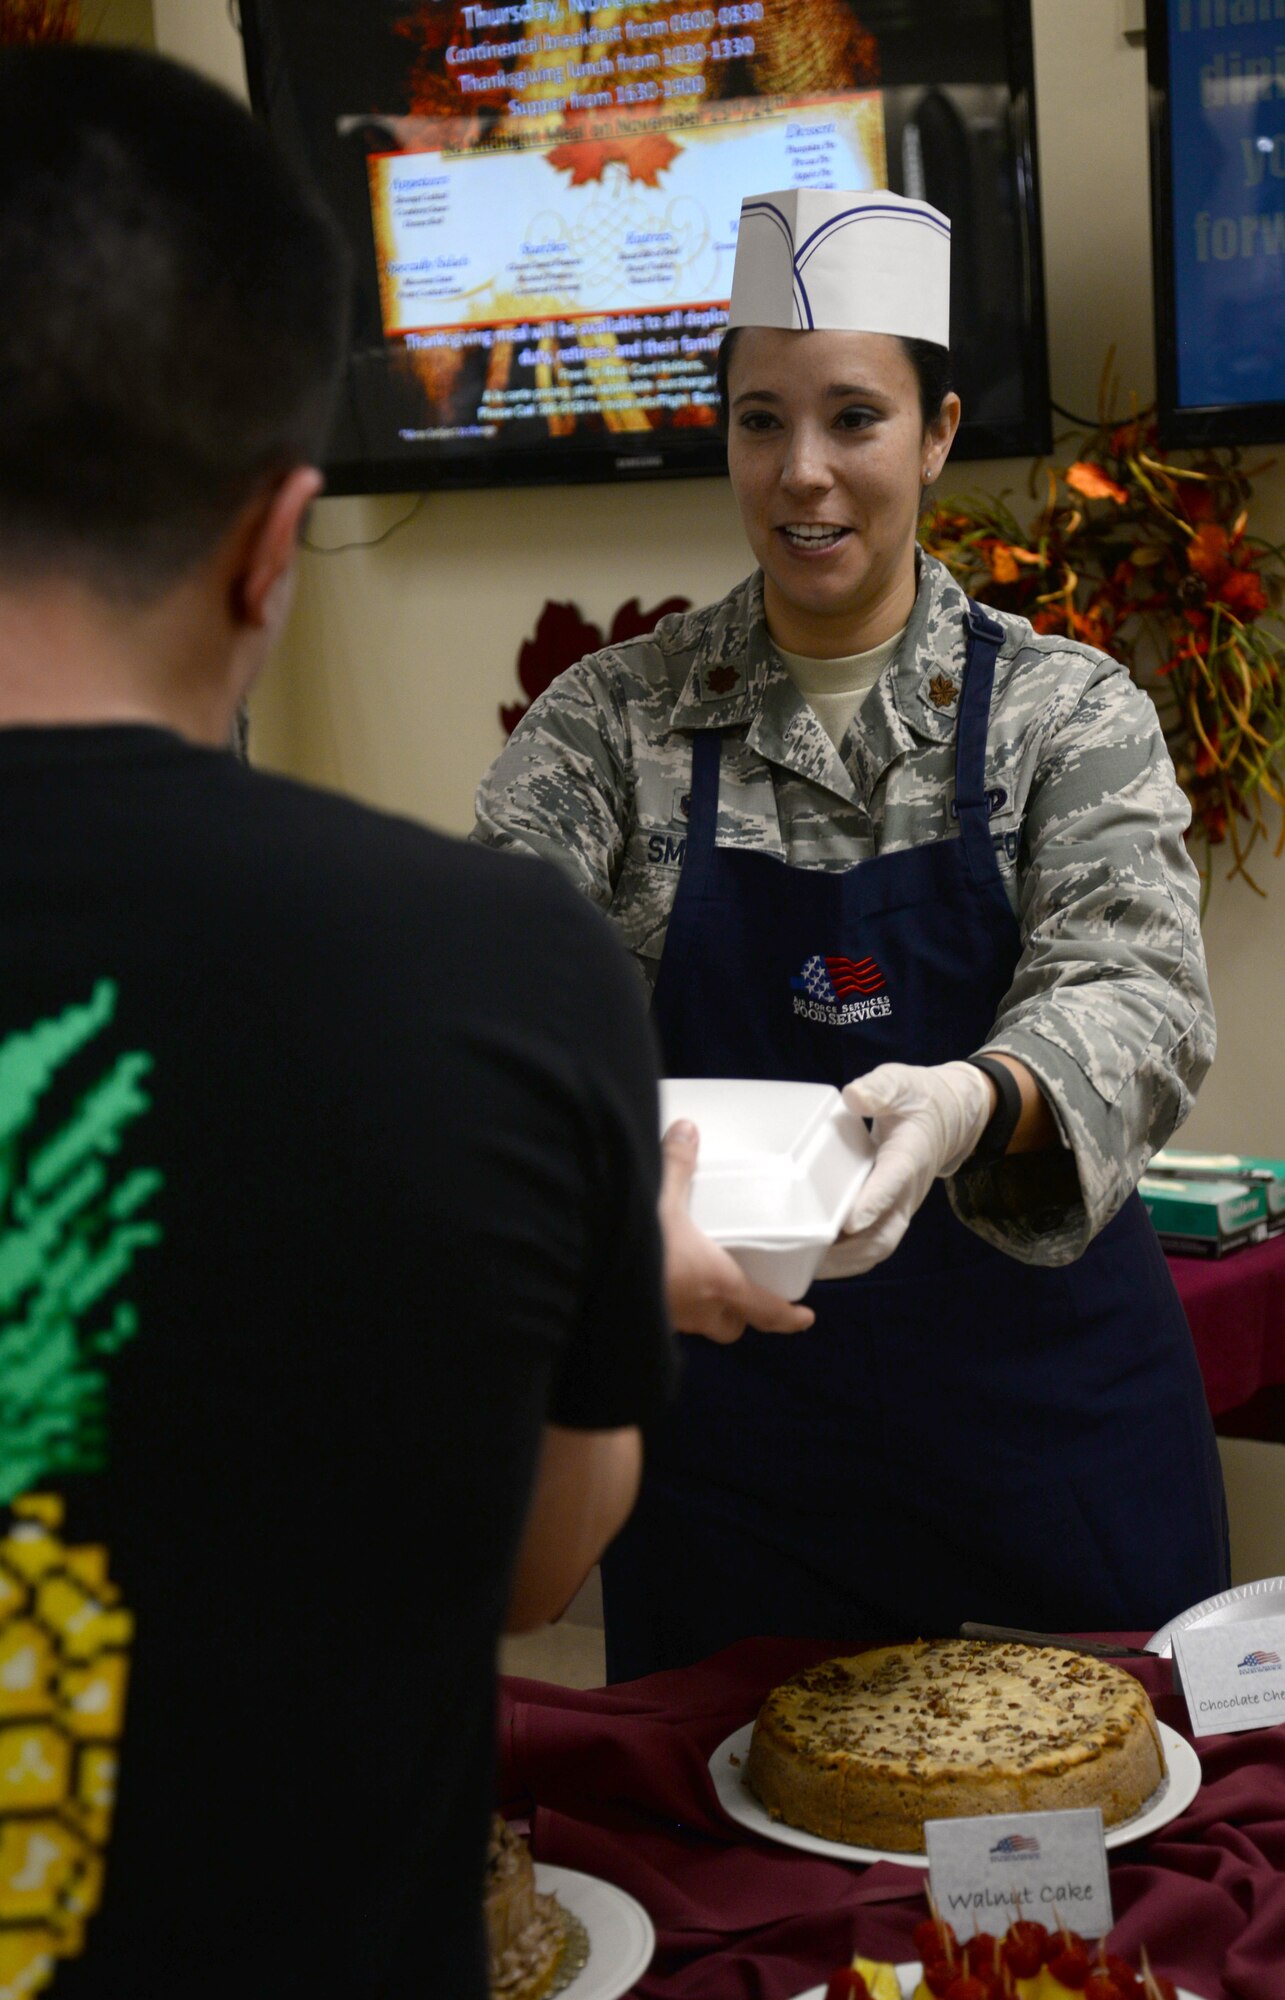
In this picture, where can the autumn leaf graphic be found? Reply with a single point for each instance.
(645, 158)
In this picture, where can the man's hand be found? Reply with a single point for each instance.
(926, 1123)
(707, 1291)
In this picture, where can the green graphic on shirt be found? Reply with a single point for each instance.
(71, 1224)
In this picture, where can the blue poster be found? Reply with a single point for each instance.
(1227, 141)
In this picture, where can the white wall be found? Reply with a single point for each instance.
(398, 656)
(201, 32)
(128, 22)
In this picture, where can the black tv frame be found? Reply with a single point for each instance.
(599, 457)
(1183, 426)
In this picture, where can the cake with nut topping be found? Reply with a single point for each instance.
(864, 1750)
(526, 1932)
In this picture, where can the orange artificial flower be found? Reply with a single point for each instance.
(1093, 484)
(1094, 626)
(1207, 552)
(1244, 593)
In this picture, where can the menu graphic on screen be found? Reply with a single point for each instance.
(1227, 162)
(543, 197)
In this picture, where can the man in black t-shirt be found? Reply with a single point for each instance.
(328, 1150)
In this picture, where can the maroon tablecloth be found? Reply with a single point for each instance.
(616, 1783)
(1236, 1310)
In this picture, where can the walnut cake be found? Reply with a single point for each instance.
(866, 1749)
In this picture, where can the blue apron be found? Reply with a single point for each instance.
(960, 1435)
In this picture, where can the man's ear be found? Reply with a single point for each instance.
(265, 551)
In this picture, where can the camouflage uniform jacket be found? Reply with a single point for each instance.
(1109, 1006)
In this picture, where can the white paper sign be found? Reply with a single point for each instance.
(1233, 1676)
(989, 1870)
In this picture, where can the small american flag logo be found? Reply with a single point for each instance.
(1016, 1843)
(834, 979)
(1261, 1659)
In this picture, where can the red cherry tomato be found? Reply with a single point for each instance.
(1023, 1956)
(931, 1938)
(965, 1987)
(1027, 1931)
(1072, 1966)
(847, 1984)
(981, 1951)
(1128, 1981)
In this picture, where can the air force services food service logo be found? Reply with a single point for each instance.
(840, 992)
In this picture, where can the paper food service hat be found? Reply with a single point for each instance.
(818, 260)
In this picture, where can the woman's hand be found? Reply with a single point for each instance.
(707, 1291)
(926, 1122)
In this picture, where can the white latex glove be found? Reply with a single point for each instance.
(926, 1123)
(706, 1290)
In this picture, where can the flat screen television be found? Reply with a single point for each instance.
(1216, 76)
(542, 197)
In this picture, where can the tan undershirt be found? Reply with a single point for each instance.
(835, 689)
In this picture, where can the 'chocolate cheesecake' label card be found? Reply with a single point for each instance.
(988, 1871)
(1233, 1676)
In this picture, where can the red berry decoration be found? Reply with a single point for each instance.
(981, 1952)
(1072, 1966)
(1101, 1986)
(1128, 1981)
(847, 1984)
(938, 1975)
(1027, 1932)
(931, 1939)
(1023, 1956)
(964, 1986)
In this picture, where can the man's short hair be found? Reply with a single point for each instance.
(171, 316)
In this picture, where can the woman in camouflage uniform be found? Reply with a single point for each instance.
(854, 829)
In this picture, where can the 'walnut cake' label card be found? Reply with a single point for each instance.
(989, 1870)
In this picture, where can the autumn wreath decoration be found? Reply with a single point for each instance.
(1153, 561)
(23, 22)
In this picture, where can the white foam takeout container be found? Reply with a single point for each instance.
(778, 1168)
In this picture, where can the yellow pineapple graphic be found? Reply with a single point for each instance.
(71, 1223)
(64, 1641)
